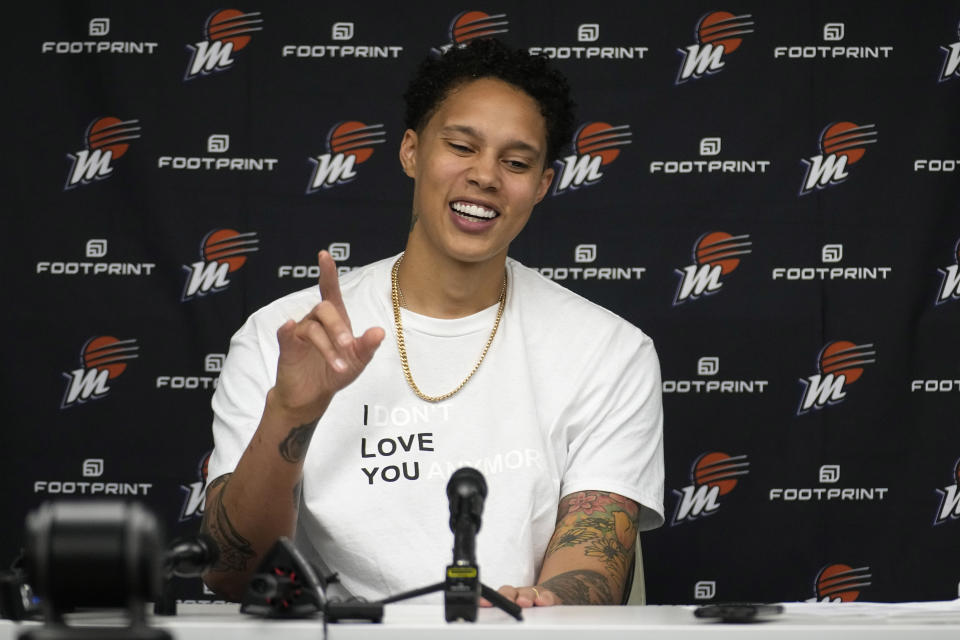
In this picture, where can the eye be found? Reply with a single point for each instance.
(459, 148)
(518, 165)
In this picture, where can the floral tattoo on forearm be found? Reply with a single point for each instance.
(604, 525)
(581, 586)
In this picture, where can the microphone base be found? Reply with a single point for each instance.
(461, 594)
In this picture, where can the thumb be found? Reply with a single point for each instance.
(368, 343)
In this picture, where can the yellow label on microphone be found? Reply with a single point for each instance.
(461, 572)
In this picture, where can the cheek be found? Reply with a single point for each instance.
(526, 192)
(439, 175)
(429, 181)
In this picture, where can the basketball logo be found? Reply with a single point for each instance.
(595, 144)
(106, 139)
(839, 363)
(714, 474)
(718, 34)
(102, 358)
(348, 144)
(841, 144)
(470, 25)
(715, 254)
(841, 583)
(223, 251)
(226, 31)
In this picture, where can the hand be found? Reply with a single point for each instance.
(319, 355)
(525, 597)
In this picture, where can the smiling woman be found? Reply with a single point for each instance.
(566, 422)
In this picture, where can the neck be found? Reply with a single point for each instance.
(449, 288)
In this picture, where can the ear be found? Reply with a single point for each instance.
(546, 179)
(408, 153)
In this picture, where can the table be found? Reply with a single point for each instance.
(823, 621)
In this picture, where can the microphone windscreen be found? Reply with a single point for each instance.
(466, 481)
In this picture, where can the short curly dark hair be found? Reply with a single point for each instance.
(490, 58)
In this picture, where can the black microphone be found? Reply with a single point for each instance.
(462, 588)
(189, 557)
(466, 491)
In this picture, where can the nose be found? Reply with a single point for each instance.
(485, 172)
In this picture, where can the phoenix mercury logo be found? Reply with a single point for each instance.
(348, 144)
(717, 34)
(470, 25)
(950, 499)
(713, 474)
(222, 252)
(106, 140)
(840, 363)
(594, 145)
(950, 288)
(715, 255)
(195, 498)
(951, 61)
(102, 359)
(226, 31)
(841, 145)
(840, 583)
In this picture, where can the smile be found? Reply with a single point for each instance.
(473, 211)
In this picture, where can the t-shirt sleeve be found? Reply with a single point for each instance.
(249, 371)
(617, 444)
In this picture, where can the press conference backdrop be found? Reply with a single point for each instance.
(769, 190)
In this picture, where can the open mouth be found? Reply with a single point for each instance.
(472, 211)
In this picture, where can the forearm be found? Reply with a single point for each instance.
(592, 549)
(248, 510)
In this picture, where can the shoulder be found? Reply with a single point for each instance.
(570, 314)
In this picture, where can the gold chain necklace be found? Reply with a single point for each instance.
(396, 294)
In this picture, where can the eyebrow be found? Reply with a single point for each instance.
(470, 131)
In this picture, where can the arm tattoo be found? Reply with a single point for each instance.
(235, 550)
(580, 587)
(218, 481)
(294, 446)
(604, 526)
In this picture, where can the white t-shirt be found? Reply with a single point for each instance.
(567, 399)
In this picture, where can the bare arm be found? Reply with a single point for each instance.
(590, 554)
(247, 510)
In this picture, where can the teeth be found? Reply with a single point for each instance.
(473, 210)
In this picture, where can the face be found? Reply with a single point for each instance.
(479, 168)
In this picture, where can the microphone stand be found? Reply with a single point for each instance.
(462, 587)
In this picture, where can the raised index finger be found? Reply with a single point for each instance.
(330, 284)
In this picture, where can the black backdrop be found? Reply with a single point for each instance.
(782, 218)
